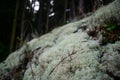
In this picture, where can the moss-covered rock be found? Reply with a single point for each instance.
(70, 52)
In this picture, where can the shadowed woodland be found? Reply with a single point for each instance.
(21, 21)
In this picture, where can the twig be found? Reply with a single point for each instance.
(63, 58)
(28, 55)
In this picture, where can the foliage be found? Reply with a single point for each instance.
(110, 27)
(110, 33)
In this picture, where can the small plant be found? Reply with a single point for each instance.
(110, 33)
(110, 27)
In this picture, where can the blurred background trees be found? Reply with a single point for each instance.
(23, 20)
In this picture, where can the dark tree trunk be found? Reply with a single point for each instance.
(81, 7)
(73, 8)
(12, 40)
(64, 15)
(40, 18)
(47, 16)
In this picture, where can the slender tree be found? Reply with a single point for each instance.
(40, 18)
(47, 17)
(73, 8)
(81, 8)
(22, 26)
(64, 15)
(14, 27)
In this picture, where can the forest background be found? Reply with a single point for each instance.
(23, 20)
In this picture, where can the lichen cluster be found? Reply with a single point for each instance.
(70, 52)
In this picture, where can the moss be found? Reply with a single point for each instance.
(110, 33)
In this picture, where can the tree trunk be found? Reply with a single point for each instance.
(40, 19)
(47, 17)
(81, 7)
(22, 27)
(12, 40)
(64, 15)
(73, 9)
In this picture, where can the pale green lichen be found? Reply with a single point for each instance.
(83, 65)
(65, 55)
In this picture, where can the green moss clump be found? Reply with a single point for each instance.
(110, 33)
